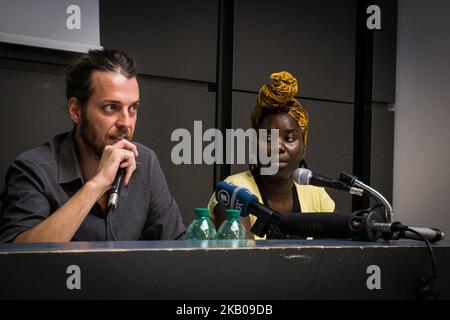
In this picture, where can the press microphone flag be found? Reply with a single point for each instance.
(233, 197)
(238, 198)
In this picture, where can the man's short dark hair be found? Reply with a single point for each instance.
(78, 76)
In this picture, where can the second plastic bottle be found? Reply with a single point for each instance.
(231, 228)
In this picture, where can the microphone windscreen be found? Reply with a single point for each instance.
(302, 176)
(317, 225)
(234, 197)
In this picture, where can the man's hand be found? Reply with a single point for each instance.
(121, 154)
(64, 222)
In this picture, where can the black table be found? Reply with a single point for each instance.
(246, 269)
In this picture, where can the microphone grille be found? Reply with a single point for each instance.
(302, 176)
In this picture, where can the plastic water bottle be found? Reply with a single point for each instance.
(231, 228)
(201, 228)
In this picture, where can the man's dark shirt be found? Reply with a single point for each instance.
(41, 180)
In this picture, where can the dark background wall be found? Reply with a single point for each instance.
(177, 45)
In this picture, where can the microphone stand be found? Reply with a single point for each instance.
(354, 182)
(388, 216)
(261, 226)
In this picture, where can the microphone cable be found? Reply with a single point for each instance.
(109, 225)
(428, 287)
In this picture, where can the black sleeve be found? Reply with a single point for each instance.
(23, 202)
(164, 221)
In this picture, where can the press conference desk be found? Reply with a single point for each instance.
(273, 269)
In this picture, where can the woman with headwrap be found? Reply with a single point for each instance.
(276, 108)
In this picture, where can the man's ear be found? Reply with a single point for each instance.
(74, 110)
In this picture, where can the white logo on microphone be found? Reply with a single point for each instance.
(224, 197)
(239, 205)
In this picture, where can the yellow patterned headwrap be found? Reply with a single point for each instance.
(279, 95)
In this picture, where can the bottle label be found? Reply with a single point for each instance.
(235, 228)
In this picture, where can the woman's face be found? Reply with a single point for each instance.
(290, 142)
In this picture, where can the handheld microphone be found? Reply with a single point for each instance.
(305, 177)
(114, 191)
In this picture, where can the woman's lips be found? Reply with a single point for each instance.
(281, 164)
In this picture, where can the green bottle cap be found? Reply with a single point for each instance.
(202, 212)
(229, 213)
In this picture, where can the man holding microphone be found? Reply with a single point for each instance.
(58, 192)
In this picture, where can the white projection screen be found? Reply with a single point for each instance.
(70, 25)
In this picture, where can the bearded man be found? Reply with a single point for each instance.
(59, 192)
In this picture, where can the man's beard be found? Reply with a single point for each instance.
(90, 138)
